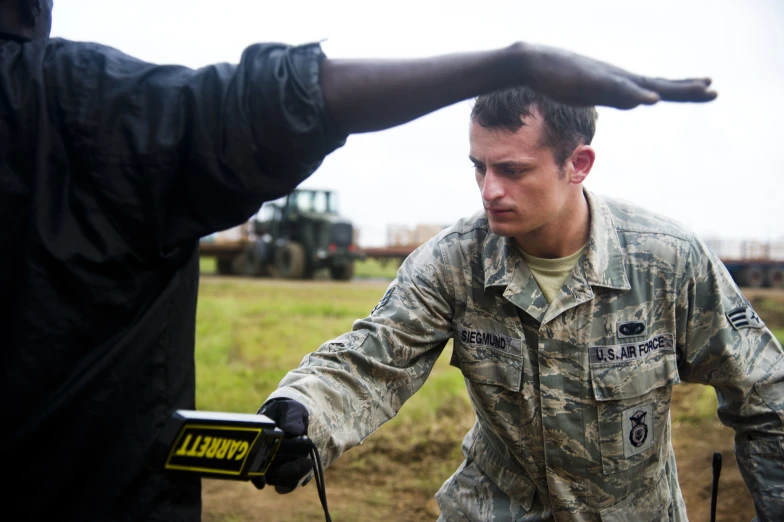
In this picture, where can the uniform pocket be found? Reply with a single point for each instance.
(469, 495)
(651, 505)
(488, 357)
(633, 400)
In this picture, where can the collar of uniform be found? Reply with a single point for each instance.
(14, 37)
(500, 257)
(604, 260)
(604, 265)
(504, 267)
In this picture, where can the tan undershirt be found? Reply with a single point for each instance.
(550, 274)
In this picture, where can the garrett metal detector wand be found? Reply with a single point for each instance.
(715, 490)
(234, 446)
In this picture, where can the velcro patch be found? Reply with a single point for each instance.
(497, 341)
(662, 343)
(744, 317)
(631, 328)
(383, 299)
(638, 424)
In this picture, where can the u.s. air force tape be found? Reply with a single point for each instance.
(660, 343)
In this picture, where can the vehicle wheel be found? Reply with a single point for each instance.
(247, 264)
(753, 277)
(290, 261)
(343, 271)
(224, 267)
(775, 277)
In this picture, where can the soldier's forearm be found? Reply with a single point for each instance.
(370, 95)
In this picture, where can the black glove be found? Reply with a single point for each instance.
(292, 466)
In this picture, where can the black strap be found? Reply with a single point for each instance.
(318, 472)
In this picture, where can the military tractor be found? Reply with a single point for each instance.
(290, 238)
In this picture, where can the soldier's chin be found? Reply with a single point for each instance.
(500, 229)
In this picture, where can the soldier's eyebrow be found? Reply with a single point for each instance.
(514, 165)
(507, 164)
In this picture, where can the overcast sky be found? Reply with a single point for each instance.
(715, 167)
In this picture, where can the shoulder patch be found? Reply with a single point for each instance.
(744, 317)
(383, 300)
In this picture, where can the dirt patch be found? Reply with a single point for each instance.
(694, 444)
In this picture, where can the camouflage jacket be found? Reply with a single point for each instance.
(572, 400)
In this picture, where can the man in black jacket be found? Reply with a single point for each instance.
(111, 169)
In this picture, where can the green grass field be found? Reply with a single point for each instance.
(250, 333)
(373, 268)
(366, 269)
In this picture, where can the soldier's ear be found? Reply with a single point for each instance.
(581, 162)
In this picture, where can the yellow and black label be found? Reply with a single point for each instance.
(212, 449)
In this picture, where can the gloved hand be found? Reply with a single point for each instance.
(292, 467)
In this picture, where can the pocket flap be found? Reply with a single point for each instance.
(497, 464)
(633, 378)
(488, 358)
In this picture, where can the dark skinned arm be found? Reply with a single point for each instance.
(370, 95)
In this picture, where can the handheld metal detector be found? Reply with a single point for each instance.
(233, 446)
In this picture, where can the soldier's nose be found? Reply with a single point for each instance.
(492, 188)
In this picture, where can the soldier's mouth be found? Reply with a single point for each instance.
(498, 212)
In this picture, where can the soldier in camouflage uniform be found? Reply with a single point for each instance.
(571, 387)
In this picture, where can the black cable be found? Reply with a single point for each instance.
(715, 489)
(318, 472)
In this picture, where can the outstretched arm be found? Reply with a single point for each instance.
(371, 95)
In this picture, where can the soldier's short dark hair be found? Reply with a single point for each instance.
(565, 126)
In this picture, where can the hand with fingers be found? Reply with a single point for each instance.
(292, 466)
(578, 80)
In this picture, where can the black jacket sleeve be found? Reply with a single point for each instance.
(173, 154)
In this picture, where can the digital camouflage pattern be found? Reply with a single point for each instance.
(572, 399)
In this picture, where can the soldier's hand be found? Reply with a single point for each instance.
(292, 467)
(579, 80)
